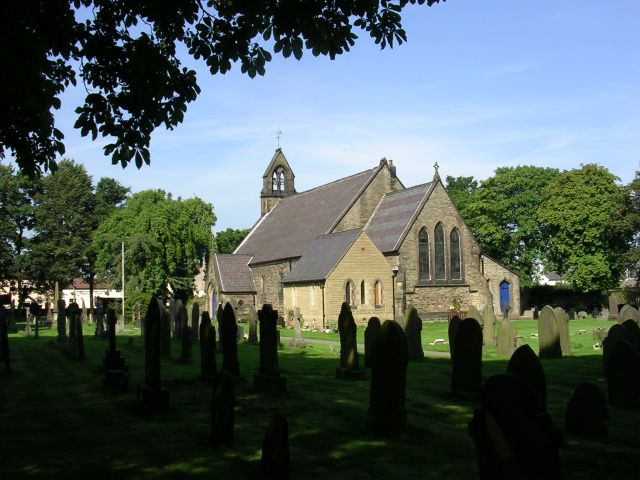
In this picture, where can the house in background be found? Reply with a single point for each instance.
(551, 278)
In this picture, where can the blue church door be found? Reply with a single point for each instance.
(505, 302)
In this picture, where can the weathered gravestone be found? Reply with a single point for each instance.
(195, 322)
(182, 319)
(274, 461)
(73, 315)
(513, 439)
(296, 341)
(454, 324)
(595, 313)
(582, 315)
(228, 338)
(623, 376)
(151, 394)
(548, 334)
(223, 410)
(187, 344)
(466, 375)
(83, 308)
(613, 306)
(100, 329)
(387, 393)
(137, 321)
(349, 363)
(413, 329)
(219, 315)
(506, 338)
(208, 367)
(525, 365)
(617, 333)
(604, 314)
(633, 332)
(474, 313)
(173, 317)
(562, 320)
(62, 322)
(116, 370)
(627, 312)
(489, 326)
(586, 414)
(5, 354)
(371, 333)
(268, 378)
(165, 333)
(572, 313)
(253, 326)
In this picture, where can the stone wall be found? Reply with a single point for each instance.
(496, 274)
(267, 280)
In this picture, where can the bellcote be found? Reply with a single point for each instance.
(278, 181)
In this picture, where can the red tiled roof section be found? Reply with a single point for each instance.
(288, 229)
(235, 275)
(81, 284)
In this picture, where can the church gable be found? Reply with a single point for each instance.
(233, 274)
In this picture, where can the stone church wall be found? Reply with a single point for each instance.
(496, 274)
(268, 287)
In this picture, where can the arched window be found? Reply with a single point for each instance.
(423, 255)
(349, 293)
(278, 180)
(362, 296)
(377, 293)
(441, 273)
(454, 255)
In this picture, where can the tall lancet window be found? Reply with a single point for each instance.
(454, 254)
(423, 255)
(441, 272)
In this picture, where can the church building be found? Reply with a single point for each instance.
(365, 239)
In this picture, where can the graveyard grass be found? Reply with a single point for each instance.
(57, 422)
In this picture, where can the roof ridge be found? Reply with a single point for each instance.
(389, 194)
(331, 183)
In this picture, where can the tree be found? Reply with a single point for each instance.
(585, 214)
(128, 57)
(228, 240)
(165, 240)
(501, 213)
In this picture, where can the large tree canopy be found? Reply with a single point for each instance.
(126, 54)
(228, 240)
(165, 241)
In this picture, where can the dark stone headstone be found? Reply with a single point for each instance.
(79, 350)
(371, 333)
(454, 324)
(165, 333)
(586, 413)
(100, 328)
(173, 316)
(253, 326)
(207, 338)
(513, 439)
(195, 321)
(623, 376)
(268, 378)
(413, 329)
(389, 361)
(182, 319)
(219, 315)
(572, 313)
(73, 315)
(525, 365)
(274, 462)
(548, 334)
(633, 332)
(116, 370)
(5, 353)
(223, 410)
(62, 322)
(151, 394)
(228, 338)
(617, 333)
(562, 320)
(489, 326)
(506, 338)
(349, 362)
(466, 376)
(187, 344)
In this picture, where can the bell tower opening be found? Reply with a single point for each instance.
(277, 182)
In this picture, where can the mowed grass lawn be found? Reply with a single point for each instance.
(57, 422)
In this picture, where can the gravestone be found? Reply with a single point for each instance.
(572, 313)
(137, 321)
(413, 329)
(474, 313)
(182, 319)
(62, 322)
(548, 334)
(165, 332)
(223, 410)
(73, 316)
(525, 365)
(586, 414)
(268, 378)
(173, 316)
(595, 313)
(633, 332)
(604, 315)
(239, 333)
(466, 375)
(349, 363)
(49, 319)
(100, 328)
(513, 439)
(627, 312)
(120, 324)
(489, 326)
(613, 306)
(617, 333)
(562, 320)
(83, 308)
(389, 360)
(36, 327)
(274, 461)
(506, 338)
(207, 338)
(195, 321)
(582, 315)
(187, 344)
(219, 315)
(623, 376)
(5, 354)
(371, 333)
(297, 341)
(536, 313)
(253, 326)
(79, 338)
(228, 338)
(454, 324)
(116, 370)
(151, 394)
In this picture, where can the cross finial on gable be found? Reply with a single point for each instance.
(278, 136)
(436, 175)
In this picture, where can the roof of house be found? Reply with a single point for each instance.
(82, 284)
(554, 276)
(290, 227)
(394, 215)
(322, 256)
(235, 275)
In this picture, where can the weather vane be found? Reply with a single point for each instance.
(278, 135)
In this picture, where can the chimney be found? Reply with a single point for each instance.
(392, 169)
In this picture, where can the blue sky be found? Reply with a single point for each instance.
(478, 85)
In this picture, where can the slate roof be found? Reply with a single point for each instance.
(393, 215)
(235, 275)
(554, 276)
(289, 228)
(322, 256)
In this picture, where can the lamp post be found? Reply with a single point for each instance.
(394, 271)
